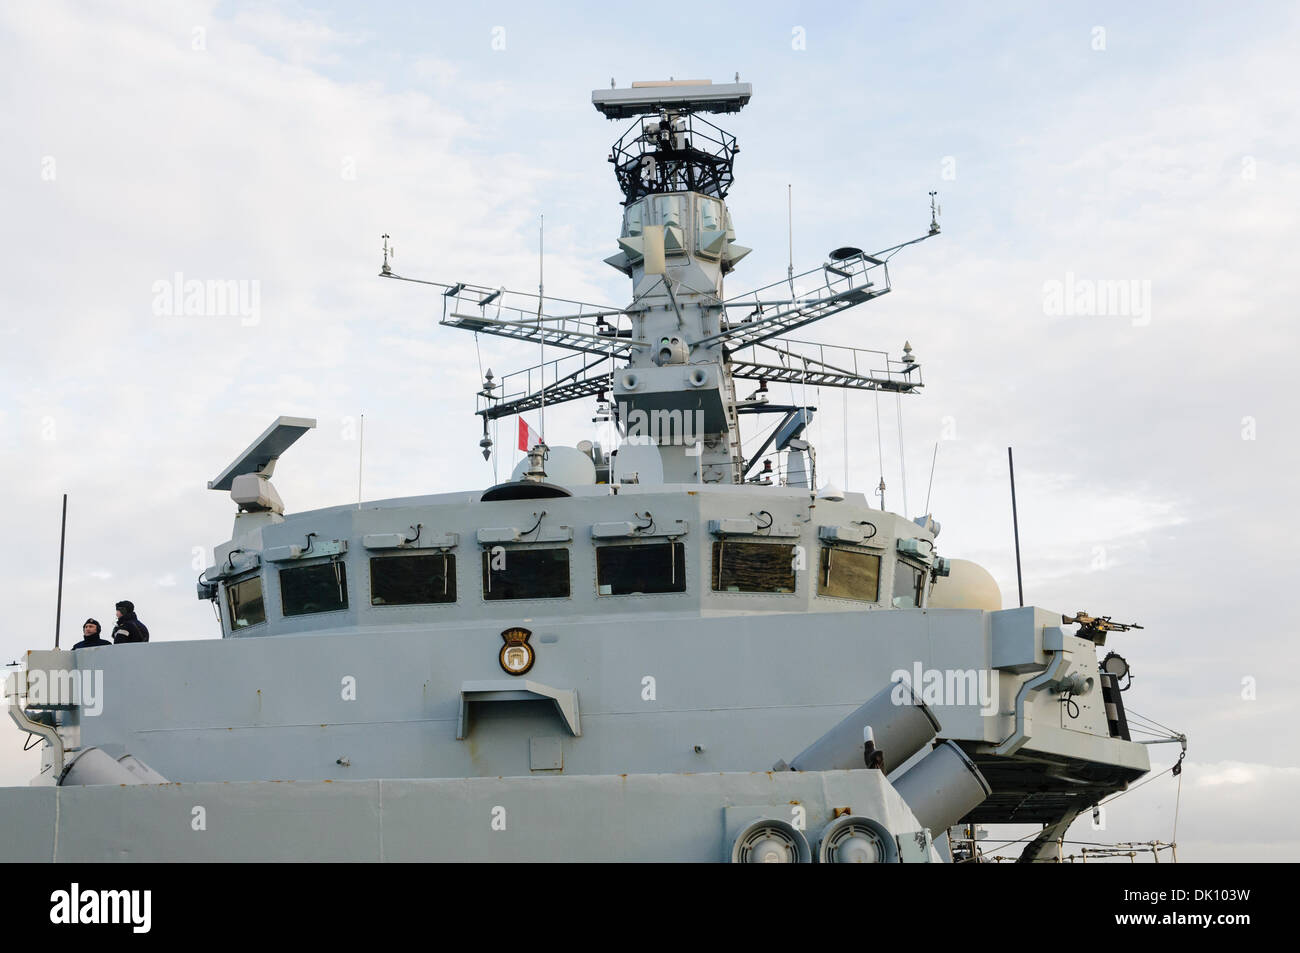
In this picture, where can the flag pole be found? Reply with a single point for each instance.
(63, 535)
(541, 291)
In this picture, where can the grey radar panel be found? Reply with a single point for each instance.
(687, 96)
(262, 453)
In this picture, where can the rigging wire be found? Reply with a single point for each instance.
(933, 460)
(1139, 725)
(1178, 800)
(902, 458)
(821, 429)
(880, 451)
(846, 438)
(762, 434)
(1008, 843)
(1114, 797)
(1131, 713)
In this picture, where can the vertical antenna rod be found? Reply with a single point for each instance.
(361, 447)
(789, 221)
(63, 535)
(541, 290)
(1015, 523)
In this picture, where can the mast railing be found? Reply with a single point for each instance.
(592, 329)
(786, 361)
(844, 283)
(567, 378)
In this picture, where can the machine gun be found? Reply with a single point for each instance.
(1096, 627)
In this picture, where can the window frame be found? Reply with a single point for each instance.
(341, 574)
(637, 210)
(918, 589)
(449, 577)
(678, 551)
(485, 576)
(715, 568)
(825, 562)
(674, 204)
(701, 201)
(230, 592)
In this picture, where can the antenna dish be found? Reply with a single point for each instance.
(686, 96)
(262, 453)
(848, 251)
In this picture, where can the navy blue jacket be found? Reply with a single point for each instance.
(130, 629)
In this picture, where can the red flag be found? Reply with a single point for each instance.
(528, 437)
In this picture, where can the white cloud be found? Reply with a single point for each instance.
(1236, 772)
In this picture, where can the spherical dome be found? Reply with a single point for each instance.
(968, 585)
(565, 466)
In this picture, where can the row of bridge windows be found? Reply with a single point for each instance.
(543, 573)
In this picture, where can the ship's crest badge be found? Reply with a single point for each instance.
(517, 655)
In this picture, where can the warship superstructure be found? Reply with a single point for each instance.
(664, 650)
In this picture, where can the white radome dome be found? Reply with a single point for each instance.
(565, 466)
(968, 585)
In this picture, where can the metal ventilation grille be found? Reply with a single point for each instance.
(856, 840)
(770, 842)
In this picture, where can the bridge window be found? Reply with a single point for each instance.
(633, 219)
(412, 580)
(244, 599)
(710, 214)
(908, 580)
(525, 573)
(669, 208)
(640, 568)
(849, 574)
(753, 567)
(319, 588)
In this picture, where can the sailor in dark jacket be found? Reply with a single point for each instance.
(92, 638)
(128, 628)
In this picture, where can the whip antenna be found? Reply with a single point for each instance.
(1015, 524)
(63, 535)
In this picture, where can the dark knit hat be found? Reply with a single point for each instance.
(126, 605)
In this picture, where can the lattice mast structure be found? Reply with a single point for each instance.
(672, 356)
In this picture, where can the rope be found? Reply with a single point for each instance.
(1115, 797)
(1177, 804)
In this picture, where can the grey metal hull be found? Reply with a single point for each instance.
(670, 817)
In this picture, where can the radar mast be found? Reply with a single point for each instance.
(667, 362)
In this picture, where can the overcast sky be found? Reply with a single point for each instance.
(1070, 143)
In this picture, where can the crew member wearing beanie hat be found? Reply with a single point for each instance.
(129, 628)
(91, 630)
